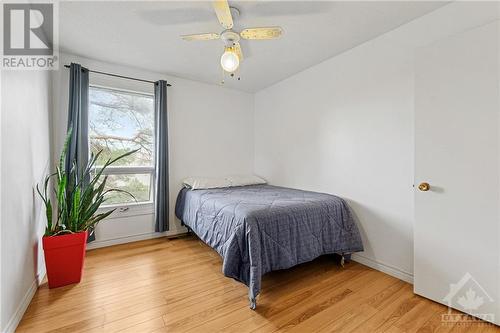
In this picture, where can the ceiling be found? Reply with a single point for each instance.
(146, 34)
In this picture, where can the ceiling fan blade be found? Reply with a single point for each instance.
(238, 51)
(208, 36)
(223, 13)
(262, 33)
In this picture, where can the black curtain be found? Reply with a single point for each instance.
(161, 147)
(78, 109)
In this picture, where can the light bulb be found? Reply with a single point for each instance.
(229, 61)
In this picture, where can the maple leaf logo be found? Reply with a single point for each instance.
(470, 301)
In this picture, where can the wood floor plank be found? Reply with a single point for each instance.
(124, 321)
(387, 296)
(417, 317)
(176, 285)
(349, 321)
(327, 313)
(435, 324)
(394, 329)
(404, 300)
(147, 326)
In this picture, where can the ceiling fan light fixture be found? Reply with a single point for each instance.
(233, 53)
(229, 60)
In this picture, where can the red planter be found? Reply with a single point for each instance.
(64, 256)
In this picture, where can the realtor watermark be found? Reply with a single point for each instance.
(30, 35)
(468, 296)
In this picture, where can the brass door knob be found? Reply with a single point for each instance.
(424, 187)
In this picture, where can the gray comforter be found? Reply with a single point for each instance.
(261, 228)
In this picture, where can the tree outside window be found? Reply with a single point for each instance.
(120, 121)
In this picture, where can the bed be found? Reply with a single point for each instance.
(261, 228)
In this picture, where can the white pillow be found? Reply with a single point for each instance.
(195, 183)
(245, 180)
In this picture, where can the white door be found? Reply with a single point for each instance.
(456, 230)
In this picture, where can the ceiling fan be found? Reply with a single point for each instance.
(233, 55)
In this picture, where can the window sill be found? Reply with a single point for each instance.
(127, 210)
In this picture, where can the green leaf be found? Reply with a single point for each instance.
(44, 197)
(111, 161)
(97, 218)
(48, 213)
(76, 208)
(67, 142)
(120, 191)
(61, 191)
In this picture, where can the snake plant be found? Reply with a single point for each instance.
(78, 194)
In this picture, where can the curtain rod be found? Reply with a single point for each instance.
(121, 76)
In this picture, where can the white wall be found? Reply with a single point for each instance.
(210, 134)
(345, 126)
(25, 111)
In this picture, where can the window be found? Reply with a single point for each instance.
(120, 121)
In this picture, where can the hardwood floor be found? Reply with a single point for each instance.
(176, 285)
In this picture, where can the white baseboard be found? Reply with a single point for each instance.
(128, 239)
(41, 274)
(392, 271)
(18, 315)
